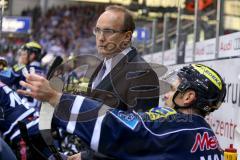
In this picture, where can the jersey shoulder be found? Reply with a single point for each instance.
(18, 67)
(160, 112)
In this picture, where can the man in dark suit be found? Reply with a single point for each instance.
(123, 72)
(123, 80)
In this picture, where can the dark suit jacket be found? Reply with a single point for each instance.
(131, 84)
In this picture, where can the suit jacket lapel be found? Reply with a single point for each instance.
(95, 73)
(106, 82)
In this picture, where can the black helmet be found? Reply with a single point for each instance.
(206, 82)
(33, 47)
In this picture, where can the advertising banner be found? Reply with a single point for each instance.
(157, 58)
(16, 25)
(188, 53)
(169, 57)
(148, 57)
(225, 120)
(229, 45)
(205, 50)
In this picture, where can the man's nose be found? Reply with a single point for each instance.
(166, 96)
(101, 36)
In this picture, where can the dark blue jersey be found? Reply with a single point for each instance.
(161, 134)
(6, 76)
(14, 75)
(14, 110)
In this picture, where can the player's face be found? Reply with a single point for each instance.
(168, 97)
(110, 33)
(23, 57)
(1, 66)
(182, 99)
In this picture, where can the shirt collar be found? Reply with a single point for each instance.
(110, 63)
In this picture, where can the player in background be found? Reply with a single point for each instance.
(3, 64)
(14, 110)
(30, 55)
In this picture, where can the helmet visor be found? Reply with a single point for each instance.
(171, 77)
(171, 82)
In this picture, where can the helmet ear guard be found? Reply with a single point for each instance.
(184, 85)
(216, 103)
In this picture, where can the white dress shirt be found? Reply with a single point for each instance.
(111, 63)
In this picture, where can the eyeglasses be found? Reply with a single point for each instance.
(106, 32)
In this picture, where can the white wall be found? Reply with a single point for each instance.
(19, 5)
(60, 2)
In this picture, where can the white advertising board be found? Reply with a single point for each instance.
(229, 45)
(205, 50)
(147, 58)
(169, 57)
(153, 58)
(157, 58)
(188, 53)
(225, 120)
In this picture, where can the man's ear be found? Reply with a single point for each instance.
(189, 97)
(127, 40)
(129, 36)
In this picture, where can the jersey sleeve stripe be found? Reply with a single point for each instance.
(29, 125)
(75, 110)
(96, 133)
(24, 115)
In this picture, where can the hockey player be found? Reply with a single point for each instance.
(14, 110)
(3, 63)
(30, 55)
(175, 132)
(5, 71)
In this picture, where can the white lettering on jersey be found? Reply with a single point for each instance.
(211, 157)
(13, 96)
